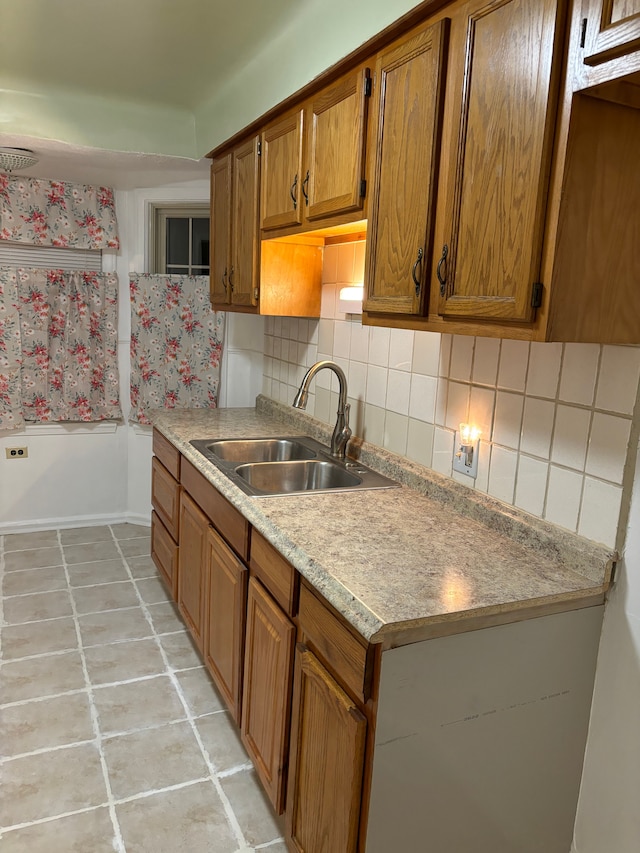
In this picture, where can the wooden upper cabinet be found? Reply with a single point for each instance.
(336, 134)
(488, 259)
(407, 112)
(245, 247)
(235, 247)
(611, 30)
(220, 227)
(281, 191)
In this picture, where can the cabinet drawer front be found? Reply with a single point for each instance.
(166, 453)
(231, 525)
(349, 658)
(164, 553)
(276, 573)
(165, 497)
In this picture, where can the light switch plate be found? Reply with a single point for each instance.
(463, 462)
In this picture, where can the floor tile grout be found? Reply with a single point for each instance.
(91, 689)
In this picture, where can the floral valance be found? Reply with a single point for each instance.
(176, 344)
(57, 213)
(58, 346)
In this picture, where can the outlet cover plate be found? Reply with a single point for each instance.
(461, 462)
(16, 452)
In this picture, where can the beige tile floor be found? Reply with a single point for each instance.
(112, 735)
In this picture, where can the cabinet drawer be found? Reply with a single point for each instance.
(164, 553)
(165, 497)
(231, 525)
(348, 657)
(166, 453)
(276, 573)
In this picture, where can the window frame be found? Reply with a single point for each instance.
(160, 213)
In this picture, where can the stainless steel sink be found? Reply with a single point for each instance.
(288, 465)
(260, 450)
(300, 476)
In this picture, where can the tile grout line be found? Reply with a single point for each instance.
(119, 843)
(228, 810)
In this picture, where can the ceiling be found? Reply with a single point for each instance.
(170, 53)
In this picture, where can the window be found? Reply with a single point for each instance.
(180, 239)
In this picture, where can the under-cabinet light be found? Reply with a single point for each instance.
(350, 301)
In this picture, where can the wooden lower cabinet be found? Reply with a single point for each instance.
(225, 611)
(164, 553)
(268, 670)
(194, 531)
(328, 734)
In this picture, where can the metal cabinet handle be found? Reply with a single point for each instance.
(293, 194)
(231, 280)
(304, 191)
(224, 279)
(416, 281)
(442, 279)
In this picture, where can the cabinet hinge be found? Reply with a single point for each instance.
(536, 294)
(583, 32)
(367, 85)
(363, 188)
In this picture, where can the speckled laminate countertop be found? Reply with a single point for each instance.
(401, 564)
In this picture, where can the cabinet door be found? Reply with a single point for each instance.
(326, 763)
(220, 228)
(165, 497)
(192, 555)
(245, 245)
(612, 30)
(225, 620)
(164, 553)
(337, 121)
(268, 667)
(503, 93)
(282, 176)
(407, 110)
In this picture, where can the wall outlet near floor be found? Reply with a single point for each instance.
(16, 452)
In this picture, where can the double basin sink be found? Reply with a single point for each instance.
(286, 466)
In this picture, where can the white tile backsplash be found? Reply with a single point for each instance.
(608, 447)
(514, 360)
(600, 511)
(537, 427)
(570, 437)
(401, 349)
(508, 419)
(618, 380)
(564, 493)
(555, 418)
(579, 371)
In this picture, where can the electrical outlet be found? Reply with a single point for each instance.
(17, 452)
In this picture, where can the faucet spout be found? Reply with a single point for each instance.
(341, 431)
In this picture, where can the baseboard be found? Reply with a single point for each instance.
(35, 525)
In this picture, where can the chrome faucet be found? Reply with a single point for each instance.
(341, 431)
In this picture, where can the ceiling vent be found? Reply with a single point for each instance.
(13, 159)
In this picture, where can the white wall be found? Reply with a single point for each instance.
(94, 473)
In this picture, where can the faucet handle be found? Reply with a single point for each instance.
(347, 409)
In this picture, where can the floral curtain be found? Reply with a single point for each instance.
(176, 344)
(57, 213)
(58, 346)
